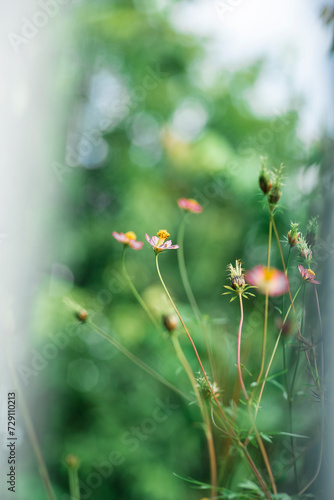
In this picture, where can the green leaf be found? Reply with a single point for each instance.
(293, 435)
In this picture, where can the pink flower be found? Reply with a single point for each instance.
(308, 275)
(268, 280)
(190, 205)
(128, 239)
(159, 242)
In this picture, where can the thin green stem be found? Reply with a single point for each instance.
(135, 360)
(183, 271)
(74, 483)
(285, 369)
(289, 399)
(273, 355)
(298, 350)
(266, 302)
(189, 292)
(182, 322)
(208, 430)
(136, 294)
(258, 437)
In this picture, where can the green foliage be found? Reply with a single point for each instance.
(135, 75)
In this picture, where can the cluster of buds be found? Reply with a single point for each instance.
(206, 391)
(293, 235)
(271, 183)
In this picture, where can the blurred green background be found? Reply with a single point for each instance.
(143, 127)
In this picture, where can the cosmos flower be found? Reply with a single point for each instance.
(190, 205)
(268, 280)
(308, 275)
(128, 239)
(159, 242)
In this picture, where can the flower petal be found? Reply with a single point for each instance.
(136, 245)
(269, 281)
(119, 237)
(149, 239)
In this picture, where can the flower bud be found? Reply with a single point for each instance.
(305, 253)
(264, 178)
(237, 282)
(170, 322)
(293, 234)
(82, 315)
(236, 275)
(304, 250)
(276, 190)
(274, 195)
(72, 461)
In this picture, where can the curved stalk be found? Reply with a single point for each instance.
(136, 294)
(189, 292)
(135, 360)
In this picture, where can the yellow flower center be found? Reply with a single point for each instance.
(131, 235)
(311, 272)
(163, 235)
(268, 274)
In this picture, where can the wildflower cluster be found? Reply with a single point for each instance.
(248, 387)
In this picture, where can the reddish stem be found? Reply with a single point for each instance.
(239, 348)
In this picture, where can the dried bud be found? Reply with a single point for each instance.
(264, 178)
(276, 190)
(72, 462)
(274, 195)
(170, 322)
(293, 234)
